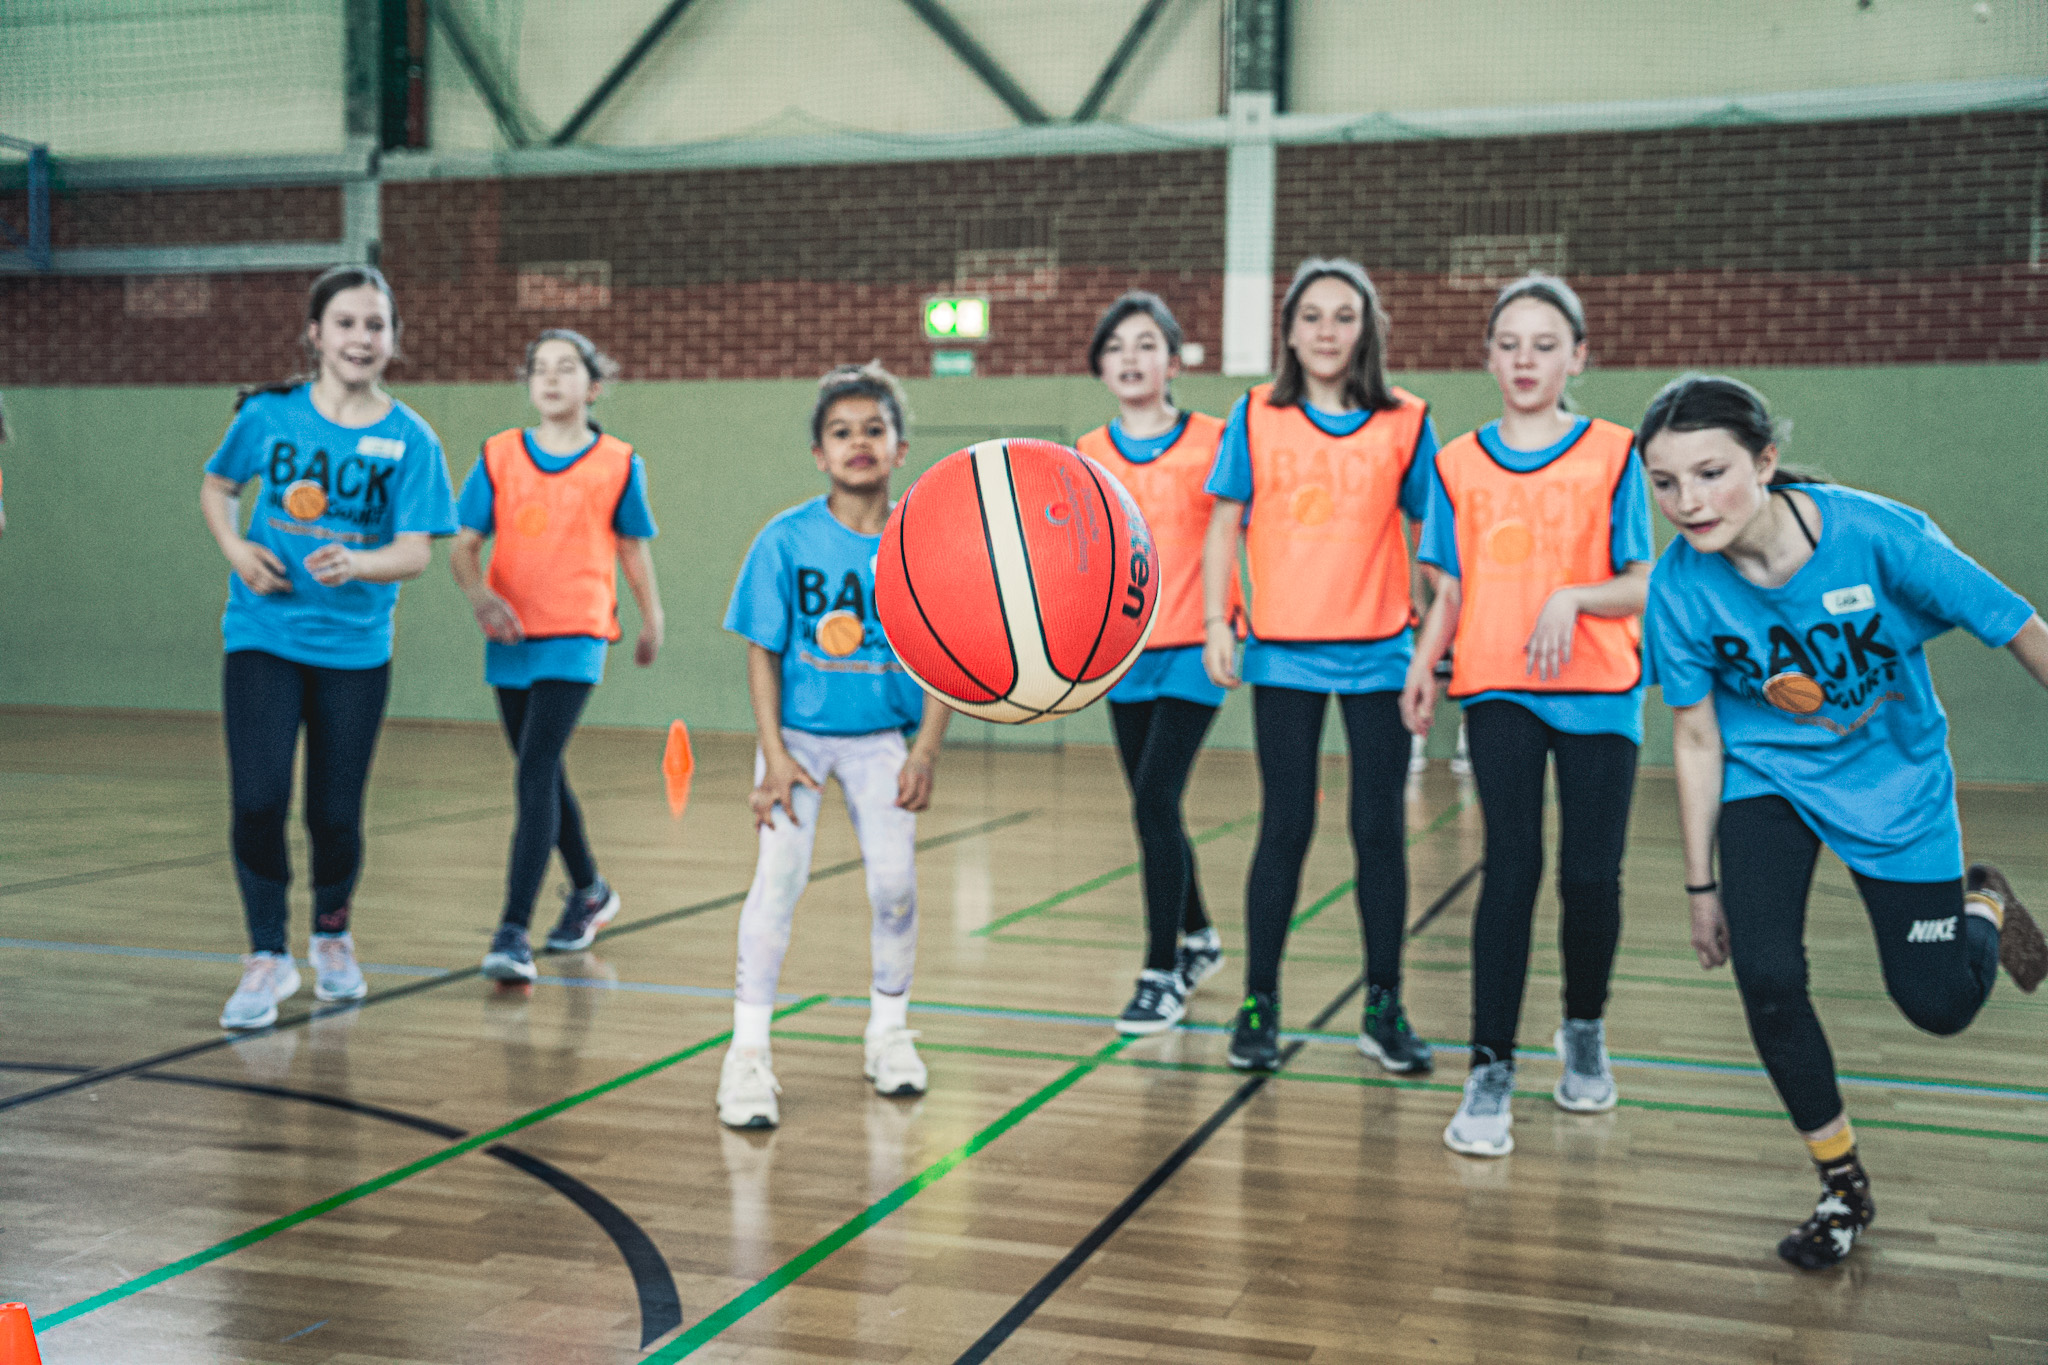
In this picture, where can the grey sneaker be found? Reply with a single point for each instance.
(1484, 1124)
(335, 973)
(266, 979)
(510, 957)
(1587, 1085)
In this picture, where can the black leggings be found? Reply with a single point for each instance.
(538, 721)
(1939, 963)
(264, 701)
(1158, 741)
(1289, 727)
(1596, 777)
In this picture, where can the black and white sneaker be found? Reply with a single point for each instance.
(1384, 1034)
(583, 914)
(1255, 1037)
(1844, 1211)
(510, 957)
(1197, 958)
(1156, 1006)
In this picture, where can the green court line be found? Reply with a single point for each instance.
(1444, 1087)
(268, 1230)
(1329, 898)
(1097, 883)
(796, 1266)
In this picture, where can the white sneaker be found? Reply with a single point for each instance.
(893, 1064)
(1484, 1124)
(1418, 761)
(335, 973)
(266, 979)
(1587, 1085)
(1461, 761)
(747, 1089)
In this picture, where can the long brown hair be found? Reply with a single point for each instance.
(1366, 385)
(326, 285)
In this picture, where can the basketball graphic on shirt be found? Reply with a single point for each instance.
(531, 520)
(1017, 581)
(1312, 505)
(1794, 692)
(305, 500)
(840, 633)
(1510, 542)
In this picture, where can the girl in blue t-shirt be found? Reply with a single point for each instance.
(1786, 626)
(566, 502)
(1318, 476)
(830, 700)
(354, 490)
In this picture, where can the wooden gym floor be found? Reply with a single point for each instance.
(448, 1175)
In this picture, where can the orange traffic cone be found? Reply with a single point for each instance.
(17, 1336)
(677, 763)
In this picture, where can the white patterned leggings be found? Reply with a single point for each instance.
(867, 768)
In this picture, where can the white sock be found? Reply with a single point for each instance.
(886, 1012)
(1200, 938)
(750, 1025)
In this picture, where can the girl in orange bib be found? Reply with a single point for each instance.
(1164, 705)
(566, 502)
(1540, 529)
(1315, 472)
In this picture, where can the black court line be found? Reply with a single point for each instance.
(448, 978)
(1035, 1297)
(661, 1307)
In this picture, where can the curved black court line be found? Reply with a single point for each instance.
(661, 1306)
(120, 1069)
(1049, 1284)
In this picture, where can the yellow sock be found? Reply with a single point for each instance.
(1833, 1148)
(1988, 905)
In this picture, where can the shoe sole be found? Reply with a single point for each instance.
(1251, 1063)
(1479, 1149)
(260, 1023)
(503, 970)
(1371, 1049)
(602, 918)
(1142, 1028)
(751, 1122)
(904, 1091)
(362, 988)
(2022, 950)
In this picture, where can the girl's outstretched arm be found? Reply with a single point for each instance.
(637, 561)
(2030, 647)
(1696, 753)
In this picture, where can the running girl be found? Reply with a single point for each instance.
(1163, 707)
(830, 700)
(571, 501)
(1786, 626)
(1540, 531)
(354, 490)
(1314, 473)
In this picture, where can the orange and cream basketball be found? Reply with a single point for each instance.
(305, 500)
(1794, 692)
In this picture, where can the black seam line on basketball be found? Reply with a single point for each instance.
(118, 1070)
(661, 1307)
(1031, 577)
(909, 586)
(1108, 598)
(1049, 1284)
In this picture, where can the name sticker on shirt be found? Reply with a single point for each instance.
(1842, 601)
(391, 448)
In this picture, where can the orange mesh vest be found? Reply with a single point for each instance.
(1325, 548)
(1520, 538)
(556, 551)
(1169, 492)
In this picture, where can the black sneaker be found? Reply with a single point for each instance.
(1385, 1035)
(1156, 1006)
(583, 914)
(1197, 957)
(510, 957)
(1255, 1037)
(1844, 1211)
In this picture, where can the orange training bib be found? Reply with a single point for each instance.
(556, 551)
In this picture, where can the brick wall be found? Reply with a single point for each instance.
(1901, 241)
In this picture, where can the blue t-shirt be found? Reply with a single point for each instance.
(566, 658)
(371, 484)
(805, 567)
(1323, 665)
(1869, 770)
(1576, 713)
(1176, 671)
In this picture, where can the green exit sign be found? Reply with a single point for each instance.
(956, 319)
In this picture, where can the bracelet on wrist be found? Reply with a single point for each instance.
(1702, 889)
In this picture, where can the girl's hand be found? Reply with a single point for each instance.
(1709, 930)
(1418, 700)
(648, 645)
(261, 571)
(780, 777)
(331, 565)
(914, 782)
(500, 623)
(1550, 644)
(1219, 654)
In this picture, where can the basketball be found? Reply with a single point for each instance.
(305, 500)
(1794, 692)
(1017, 581)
